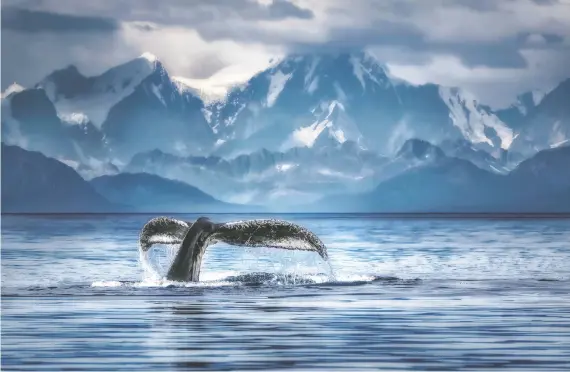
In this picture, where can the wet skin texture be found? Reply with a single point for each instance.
(195, 237)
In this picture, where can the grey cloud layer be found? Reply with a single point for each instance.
(487, 33)
(170, 12)
(37, 21)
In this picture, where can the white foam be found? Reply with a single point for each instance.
(111, 283)
(221, 280)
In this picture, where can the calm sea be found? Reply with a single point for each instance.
(404, 294)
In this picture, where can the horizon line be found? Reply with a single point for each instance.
(447, 215)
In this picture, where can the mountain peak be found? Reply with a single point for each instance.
(149, 60)
(145, 64)
(13, 88)
(149, 57)
(68, 72)
(65, 82)
(94, 96)
(556, 102)
(420, 149)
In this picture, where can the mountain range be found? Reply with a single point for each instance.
(34, 183)
(310, 129)
(452, 185)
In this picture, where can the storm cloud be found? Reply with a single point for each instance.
(38, 21)
(496, 49)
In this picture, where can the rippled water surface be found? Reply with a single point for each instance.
(404, 294)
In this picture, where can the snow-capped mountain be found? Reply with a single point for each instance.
(415, 149)
(297, 175)
(477, 123)
(501, 161)
(135, 106)
(93, 97)
(547, 125)
(539, 184)
(11, 133)
(514, 115)
(302, 99)
(308, 126)
(30, 120)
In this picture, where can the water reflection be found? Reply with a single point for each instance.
(412, 295)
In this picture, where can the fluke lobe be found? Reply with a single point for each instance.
(195, 237)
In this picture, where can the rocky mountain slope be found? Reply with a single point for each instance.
(34, 183)
(539, 184)
(308, 126)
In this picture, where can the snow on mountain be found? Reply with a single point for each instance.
(331, 125)
(135, 106)
(266, 177)
(308, 125)
(476, 123)
(501, 161)
(277, 82)
(138, 106)
(11, 133)
(13, 88)
(74, 118)
(29, 120)
(158, 114)
(540, 184)
(515, 114)
(529, 100)
(201, 88)
(420, 150)
(72, 93)
(299, 175)
(547, 125)
(300, 100)
(290, 104)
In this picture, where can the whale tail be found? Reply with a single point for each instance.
(250, 233)
(269, 233)
(163, 230)
(194, 238)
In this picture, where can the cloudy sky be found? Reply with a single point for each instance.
(495, 48)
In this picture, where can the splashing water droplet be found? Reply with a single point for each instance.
(330, 271)
(156, 261)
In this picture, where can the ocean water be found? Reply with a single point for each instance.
(403, 294)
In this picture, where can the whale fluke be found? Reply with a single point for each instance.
(195, 237)
(270, 233)
(163, 230)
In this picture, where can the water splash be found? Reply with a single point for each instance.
(247, 279)
(156, 261)
(330, 271)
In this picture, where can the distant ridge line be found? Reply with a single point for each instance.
(442, 215)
